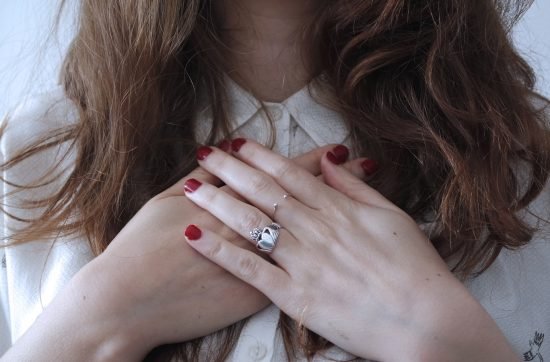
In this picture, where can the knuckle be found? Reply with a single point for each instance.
(210, 196)
(283, 170)
(250, 220)
(214, 250)
(247, 267)
(259, 183)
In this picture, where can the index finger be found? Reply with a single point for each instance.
(297, 181)
(199, 173)
(311, 161)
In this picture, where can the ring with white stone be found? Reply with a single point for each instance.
(266, 238)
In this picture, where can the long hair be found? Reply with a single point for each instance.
(434, 90)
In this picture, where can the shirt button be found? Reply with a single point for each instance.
(257, 352)
(276, 113)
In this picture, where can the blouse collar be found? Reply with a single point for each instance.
(322, 123)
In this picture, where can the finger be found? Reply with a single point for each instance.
(239, 216)
(311, 160)
(344, 181)
(199, 173)
(297, 181)
(244, 264)
(256, 186)
(356, 168)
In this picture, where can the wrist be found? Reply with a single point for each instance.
(107, 322)
(78, 325)
(449, 324)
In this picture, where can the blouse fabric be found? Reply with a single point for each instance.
(515, 290)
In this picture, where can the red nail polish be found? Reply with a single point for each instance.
(332, 158)
(191, 185)
(224, 145)
(193, 233)
(237, 143)
(341, 152)
(369, 167)
(203, 152)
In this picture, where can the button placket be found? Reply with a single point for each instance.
(275, 112)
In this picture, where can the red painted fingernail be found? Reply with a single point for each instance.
(341, 152)
(224, 145)
(334, 159)
(237, 143)
(191, 185)
(203, 152)
(193, 233)
(369, 167)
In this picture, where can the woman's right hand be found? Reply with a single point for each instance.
(149, 287)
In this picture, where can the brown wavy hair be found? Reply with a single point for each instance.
(432, 89)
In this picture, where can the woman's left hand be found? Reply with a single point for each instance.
(349, 264)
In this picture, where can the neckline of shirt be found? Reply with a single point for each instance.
(323, 124)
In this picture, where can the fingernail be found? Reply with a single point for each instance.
(203, 152)
(338, 155)
(191, 185)
(237, 143)
(341, 153)
(224, 145)
(369, 167)
(192, 232)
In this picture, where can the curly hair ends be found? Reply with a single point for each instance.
(432, 89)
(437, 92)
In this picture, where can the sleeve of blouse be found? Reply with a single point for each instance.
(21, 270)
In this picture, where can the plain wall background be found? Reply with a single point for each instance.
(26, 68)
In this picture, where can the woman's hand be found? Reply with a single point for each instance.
(350, 265)
(149, 287)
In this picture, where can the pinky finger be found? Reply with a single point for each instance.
(269, 279)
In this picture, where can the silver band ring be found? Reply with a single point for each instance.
(266, 238)
(275, 205)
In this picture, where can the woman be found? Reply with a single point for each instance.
(435, 257)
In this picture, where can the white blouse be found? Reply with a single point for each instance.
(515, 290)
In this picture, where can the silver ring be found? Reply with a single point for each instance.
(275, 205)
(266, 239)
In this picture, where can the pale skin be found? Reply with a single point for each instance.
(149, 287)
(123, 303)
(350, 265)
(267, 51)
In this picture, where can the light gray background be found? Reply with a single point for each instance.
(26, 67)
